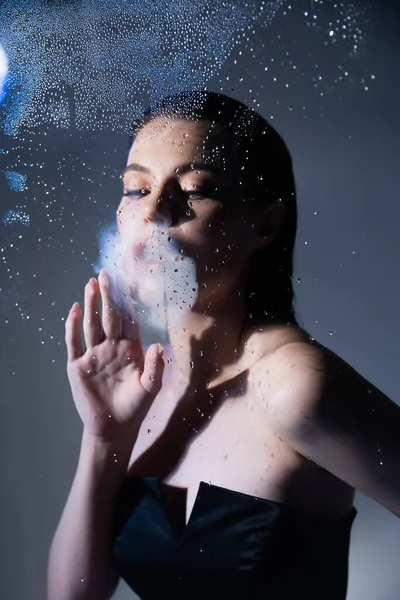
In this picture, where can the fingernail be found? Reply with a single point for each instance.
(160, 349)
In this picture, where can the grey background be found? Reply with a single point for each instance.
(346, 158)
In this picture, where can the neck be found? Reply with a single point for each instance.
(206, 342)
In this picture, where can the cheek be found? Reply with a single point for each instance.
(118, 219)
(211, 243)
(224, 234)
(125, 217)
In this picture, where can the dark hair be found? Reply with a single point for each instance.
(267, 170)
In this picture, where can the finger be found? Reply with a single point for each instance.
(92, 328)
(111, 317)
(151, 378)
(131, 331)
(73, 338)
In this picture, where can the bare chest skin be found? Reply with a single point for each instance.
(226, 439)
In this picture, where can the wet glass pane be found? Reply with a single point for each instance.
(237, 229)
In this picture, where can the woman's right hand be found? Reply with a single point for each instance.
(112, 382)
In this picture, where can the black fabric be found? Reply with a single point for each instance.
(235, 546)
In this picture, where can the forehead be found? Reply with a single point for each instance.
(166, 140)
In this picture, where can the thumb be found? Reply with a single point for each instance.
(151, 378)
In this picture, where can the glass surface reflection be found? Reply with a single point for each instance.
(253, 308)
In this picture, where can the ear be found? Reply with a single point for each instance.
(271, 221)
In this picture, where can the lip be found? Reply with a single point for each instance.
(150, 262)
(138, 249)
(141, 248)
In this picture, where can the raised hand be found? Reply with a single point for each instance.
(112, 382)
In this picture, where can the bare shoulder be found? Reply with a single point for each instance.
(291, 350)
(290, 360)
(304, 373)
(265, 340)
(325, 410)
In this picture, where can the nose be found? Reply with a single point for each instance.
(158, 206)
(155, 211)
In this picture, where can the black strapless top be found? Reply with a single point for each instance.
(235, 546)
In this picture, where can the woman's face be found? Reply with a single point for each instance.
(180, 177)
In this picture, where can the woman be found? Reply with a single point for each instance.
(228, 467)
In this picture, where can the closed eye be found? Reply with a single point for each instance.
(141, 192)
(193, 194)
(189, 193)
(205, 193)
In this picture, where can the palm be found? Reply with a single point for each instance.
(112, 382)
(108, 383)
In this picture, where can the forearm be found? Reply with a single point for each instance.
(79, 566)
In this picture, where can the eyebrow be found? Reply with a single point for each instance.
(181, 169)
